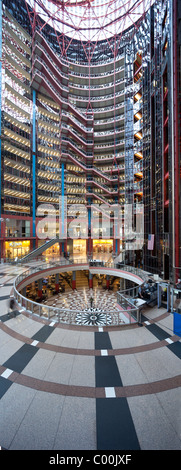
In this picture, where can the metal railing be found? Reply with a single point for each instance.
(74, 317)
(129, 293)
(69, 316)
(175, 294)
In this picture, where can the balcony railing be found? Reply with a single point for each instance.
(64, 315)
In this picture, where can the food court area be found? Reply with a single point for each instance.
(42, 290)
(48, 288)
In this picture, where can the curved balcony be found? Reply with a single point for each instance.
(72, 145)
(107, 158)
(98, 196)
(102, 186)
(113, 99)
(68, 117)
(109, 63)
(40, 51)
(43, 68)
(97, 87)
(88, 168)
(44, 43)
(42, 81)
(107, 111)
(63, 315)
(108, 133)
(98, 75)
(68, 130)
(108, 146)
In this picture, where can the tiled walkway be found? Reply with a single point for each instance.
(88, 388)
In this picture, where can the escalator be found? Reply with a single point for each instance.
(38, 251)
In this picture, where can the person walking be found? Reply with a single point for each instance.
(11, 306)
(91, 302)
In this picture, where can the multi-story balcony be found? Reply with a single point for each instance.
(47, 86)
(104, 77)
(106, 189)
(81, 134)
(40, 54)
(108, 157)
(138, 167)
(109, 145)
(97, 89)
(69, 131)
(138, 126)
(98, 101)
(138, 186)
(17, 99)
(48, 71)
(137, 106)
(87, 168)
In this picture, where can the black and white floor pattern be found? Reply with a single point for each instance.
(88, 307)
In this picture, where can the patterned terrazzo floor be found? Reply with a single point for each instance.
(103, 306)
(72, 387)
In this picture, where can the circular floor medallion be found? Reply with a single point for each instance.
(93, 316)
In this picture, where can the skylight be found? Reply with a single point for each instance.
(92, 20)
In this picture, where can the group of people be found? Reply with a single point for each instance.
(147, 290)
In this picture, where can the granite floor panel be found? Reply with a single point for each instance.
(10, 347)
(159, 364)
(68, 387)
(83, 371)
(38, 428)
(77, 426)
(154, 428)
(24, 325)
(121, 339)
(13, 409)
(39, 364)
(130, 370)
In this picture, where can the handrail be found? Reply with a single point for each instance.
(63, 315)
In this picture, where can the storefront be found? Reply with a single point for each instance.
(16, 249)
(102, 246)
(52, 252)
(79, 248)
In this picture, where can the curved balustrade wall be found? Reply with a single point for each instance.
(64, 315)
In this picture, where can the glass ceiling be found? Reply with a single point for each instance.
(93, 20)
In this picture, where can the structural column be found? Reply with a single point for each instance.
(90, 280)
(1, 245)
(57, 282)
(115, 246)
(34, 170)
(89, 241)
(40, 283)
(74, 280)
(168, 298)
(159, 295)
(24, 292)
(107, 281)
(63, 221)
